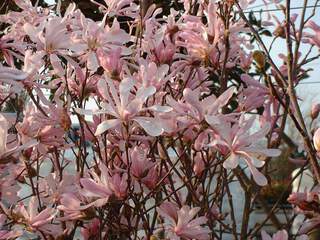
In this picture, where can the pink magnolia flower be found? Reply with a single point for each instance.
(98, 187)
(53, 39)
(182, 222)
(152, 178)
(313, 38)
(111, 62)
(140, 164)
(36, 220)
(316, 140)
(315, 110)
(163, 52)
(12, 77)
(309, 225)
(280, 235)
(152, 75)
(4, 150)
(119, 185)
(104, 186)
(90, 230)
(17, 19)
(193, 110)
(79, 84)
(309, 204)
(48, 129)
(242, 145)
(6, 51)
(199, 164)
(9, 73)
(72, 207)
(120, 8)
(7, 234)
(51, 187)
(90, 128)
(96, 39)
(306, 201)
(127, 107)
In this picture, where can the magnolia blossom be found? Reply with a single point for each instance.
(122, 8)
(313, 38)
(174, 99)
(194, 110)
(4, 150)
(52, 187)
(98, 187)
(140, 164)
(182, 222)
(280, 235)
(72, 207)
(309, 204)
(36, 220)
(242, 145)
(127, 107)
(316, 140)
(151, 75)
(93, 39)
(315, 110)
(7, 234)
(91, 229)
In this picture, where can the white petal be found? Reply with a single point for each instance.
(159, 108)
(212, 120)
(105, 125)
(143, 93)
(150, 125)
(231, 162)
(3, 133)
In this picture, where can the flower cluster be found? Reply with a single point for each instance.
(132, 126)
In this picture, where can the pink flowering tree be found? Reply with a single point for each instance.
(154, 120)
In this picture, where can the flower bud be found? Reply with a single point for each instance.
(280, 32)
(259, 58)
(316, 140)
(315, 110)
(65, 120)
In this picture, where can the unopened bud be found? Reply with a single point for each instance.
(316, 140)
(280, 32)
(315, 110)
(259, 58)
(65, 120)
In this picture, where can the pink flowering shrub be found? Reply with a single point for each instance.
(144, 124)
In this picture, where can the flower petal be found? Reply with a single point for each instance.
(105, 125)
(150, 125)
